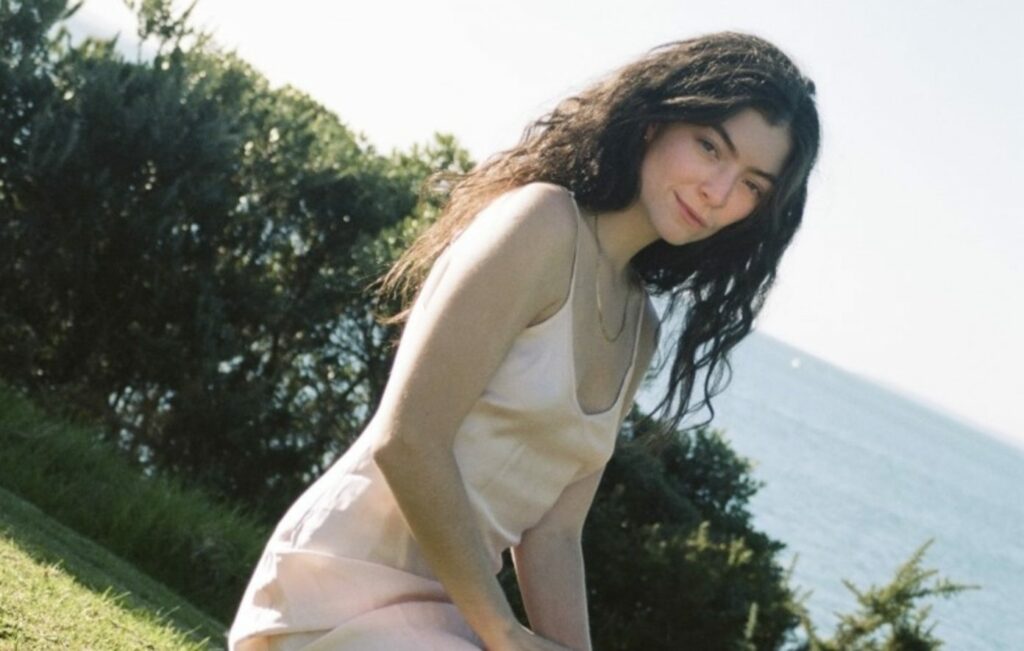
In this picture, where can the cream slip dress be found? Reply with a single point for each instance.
(342, 569)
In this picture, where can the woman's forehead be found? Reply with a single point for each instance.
(760, 145)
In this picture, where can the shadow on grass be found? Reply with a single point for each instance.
(49, 542)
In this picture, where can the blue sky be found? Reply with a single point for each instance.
(908, 267)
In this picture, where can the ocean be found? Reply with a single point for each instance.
(857, 477)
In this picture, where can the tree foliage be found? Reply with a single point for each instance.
(185, 251)
(889, 617)
(673, 559)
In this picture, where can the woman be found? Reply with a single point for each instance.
(684, 173)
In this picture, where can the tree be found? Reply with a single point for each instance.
(185, 252)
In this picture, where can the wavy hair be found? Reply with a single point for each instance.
(593, 144)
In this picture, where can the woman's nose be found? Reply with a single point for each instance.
(716, 188)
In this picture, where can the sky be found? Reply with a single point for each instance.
(907, 269)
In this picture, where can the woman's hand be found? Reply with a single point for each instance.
(521, 638)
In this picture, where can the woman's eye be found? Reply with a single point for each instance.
(757, 190)
(707, 145)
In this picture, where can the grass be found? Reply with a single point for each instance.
(200, 548)
(59, 590)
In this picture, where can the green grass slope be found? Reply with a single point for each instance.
(202, 549)
(59, 590)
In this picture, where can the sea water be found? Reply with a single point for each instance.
(857, 477)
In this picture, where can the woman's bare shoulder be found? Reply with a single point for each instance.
(530, 231)
(545, 209)
(521, 243)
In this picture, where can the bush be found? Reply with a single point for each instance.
(672, 558)
(889, 617)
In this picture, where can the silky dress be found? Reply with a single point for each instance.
(342, 569)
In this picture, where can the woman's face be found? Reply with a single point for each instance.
(696, 180)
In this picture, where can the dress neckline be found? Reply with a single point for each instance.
(566, 306)
(624, 382)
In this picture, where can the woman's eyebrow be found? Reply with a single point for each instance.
(724, 135)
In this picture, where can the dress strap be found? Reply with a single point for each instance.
(576, 249)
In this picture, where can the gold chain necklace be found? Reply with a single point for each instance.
(597, 290)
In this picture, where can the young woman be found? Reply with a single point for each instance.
(683, 174)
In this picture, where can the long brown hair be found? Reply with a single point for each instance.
(593, 144)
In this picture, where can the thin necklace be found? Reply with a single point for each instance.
(597, 290)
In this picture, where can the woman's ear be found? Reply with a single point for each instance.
(650, 132)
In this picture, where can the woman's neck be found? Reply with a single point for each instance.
(622, 234)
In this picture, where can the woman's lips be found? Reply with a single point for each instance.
(689, 214)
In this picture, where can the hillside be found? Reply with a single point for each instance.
(59, 590)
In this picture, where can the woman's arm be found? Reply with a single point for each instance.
(509, 266)
(549, 558)
(550, 571)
